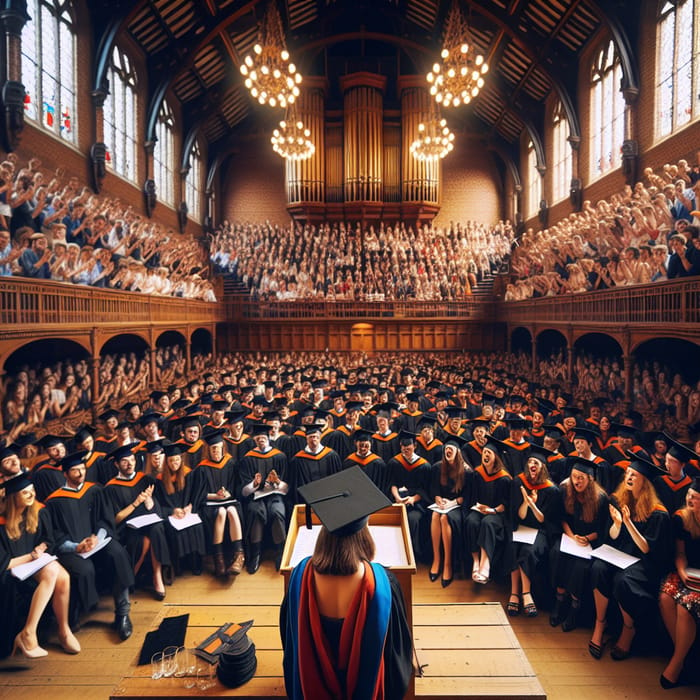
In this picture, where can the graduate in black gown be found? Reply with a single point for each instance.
(450, 483)
(25, 536)
(409, 479)
(215, 493)
(535, 504)
(130, 495)
(263, 493)
(488, 520)
(372, 464)
(343, 620)
(640, 527)
(174, 493)
(584, 508)
(81, 519)
(314, 461)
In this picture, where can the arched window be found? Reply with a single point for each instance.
(534, 182)
(561, 155)
(607, 125)
(677, 56)
(120, 116)
(193, 183)
(48, 67)
(164, 155)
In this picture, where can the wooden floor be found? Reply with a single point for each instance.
(561, 661)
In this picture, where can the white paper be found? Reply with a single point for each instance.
(100, 544)
(226, 502)
(187, 521)
(614, 556)
(570, 546)
(525, 534)
(264, 491)
(437, 508)
(390, 549)
(144, 520)
(24, 571)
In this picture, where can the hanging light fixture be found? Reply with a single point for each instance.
(459, 75)
(292, 140)
(269, 75)
(435, 140)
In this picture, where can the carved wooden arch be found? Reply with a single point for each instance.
(7, 349)
(639, 340)
(578, 335)
(104, 339)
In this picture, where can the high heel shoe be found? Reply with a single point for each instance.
(666, 684)
(36, 653)
(70, 643)
(445, 582)
(433, 577)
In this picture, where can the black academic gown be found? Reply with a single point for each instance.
(75, 515)
(122, 492)
(306, 467)
(372, 465)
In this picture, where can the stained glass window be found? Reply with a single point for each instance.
(607, 118)
(561, 155)
(193, 183)
(120, 116)
(48, 66)
(534, 182)
(164, 155)
(677, 54)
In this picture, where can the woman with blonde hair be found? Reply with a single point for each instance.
(641, 528)
(24, 538)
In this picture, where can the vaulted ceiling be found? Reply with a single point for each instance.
(195, 48)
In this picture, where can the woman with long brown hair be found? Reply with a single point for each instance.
(641, 528)
(450, 480)
(25, 537)
(679, 599)
(584, 508)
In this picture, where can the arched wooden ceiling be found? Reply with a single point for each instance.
(194, 48)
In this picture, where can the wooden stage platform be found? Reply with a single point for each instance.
(465, 650)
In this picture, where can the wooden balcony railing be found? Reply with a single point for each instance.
(240, 308)
(676, 302)
(25, 301)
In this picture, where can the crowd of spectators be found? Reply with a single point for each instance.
(644, 234)
(663, 398)
(337, 261)
(37, 393)
(51, 227)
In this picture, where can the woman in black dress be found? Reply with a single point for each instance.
(536, 505)
(450, 480)
(679, 599)
(487, 528)
(24, 537)
(584, 508)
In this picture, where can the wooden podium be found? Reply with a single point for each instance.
(389, 528)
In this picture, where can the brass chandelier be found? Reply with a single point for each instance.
(292, 139)
(435, 140)
(457, 78)
(269, 75)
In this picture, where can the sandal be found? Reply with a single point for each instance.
(617, 653)
(530, 609)
(596, 650)
(513, 607)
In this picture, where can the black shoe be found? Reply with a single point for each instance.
(122, 623)
(168, 575)
(278, 558)
(559, 612)
(433, 577)
(197, 564)
(254, 562)
(571, 621)
(158, 595)
(445, 582)
(669, 685)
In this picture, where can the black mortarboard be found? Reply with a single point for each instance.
(259, 428)
(643, 466)
(600, 402)
(479, 422)
(311, 428)
(82, 434)
(343, 502)
(157, 395)
(212, 437)
(21, 481)
(362, 435)
(235, 416)
(123, 451)
(516, 423)
(405, 436)
(127, 406)
(679, 451)
(109, 413)
(219, 405)
(259, 400)
(353, 405)
(51, 441)
(427, 419)
(270, 384)
(413, 396)
(571, 411)
(172, 448)
(494, 444)
(7, 452)
(319, 383)
(583, 465)
(336, 394)
(586, 433)
(150, 417)
(180, 403)
(454, 411)
(541, 453)
(73, 460)
(155, 445)
(553, 431)
(623, 430)
(457, 440)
